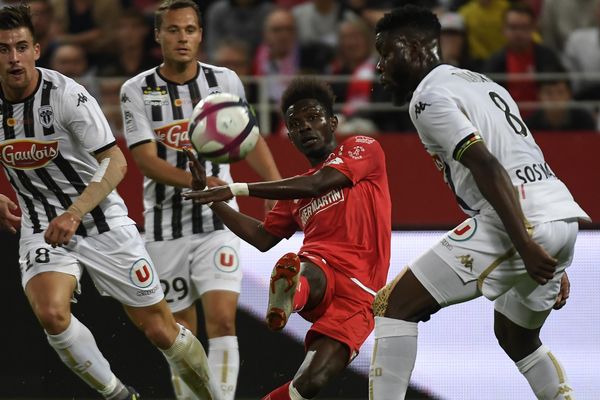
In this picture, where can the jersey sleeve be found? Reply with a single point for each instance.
(358, 158)
(280, 221)
(442, 125)
(136, 126)
(85, 120)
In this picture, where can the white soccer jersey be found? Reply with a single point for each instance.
(47, 142)
(156, 109)
(453, 108)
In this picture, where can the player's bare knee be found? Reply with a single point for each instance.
(54, 318)
(220, 327)
(161, 335)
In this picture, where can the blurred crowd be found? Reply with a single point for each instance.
(545, 52)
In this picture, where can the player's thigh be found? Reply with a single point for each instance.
(348, 318)
(120, 266)
(172, 259)
(441, 281)
(48, 275)
(528, 304)
(215, 262)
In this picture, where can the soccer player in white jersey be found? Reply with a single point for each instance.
(195, 254)
(520, 236)
(61, 158)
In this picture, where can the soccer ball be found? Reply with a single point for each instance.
(223, 128)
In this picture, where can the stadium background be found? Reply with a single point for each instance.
(458, 358)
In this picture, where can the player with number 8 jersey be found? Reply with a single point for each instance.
(521, 236)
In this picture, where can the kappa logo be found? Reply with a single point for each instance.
(125, 98)
(420, 107)
(27, 154)
(226, 259)
(174, 136)
(46, 115)
(81, 99)
(464, 231)
(466, 261)
(142, 273)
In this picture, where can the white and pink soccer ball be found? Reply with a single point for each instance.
(223, 129)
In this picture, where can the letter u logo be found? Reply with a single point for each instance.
(143, 274)
(227, 260)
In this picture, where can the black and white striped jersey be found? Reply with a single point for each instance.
(156, 109)
(47, 147)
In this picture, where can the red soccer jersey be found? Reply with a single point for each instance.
(350, 228)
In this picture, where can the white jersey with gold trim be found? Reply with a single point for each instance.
(156, 109)
(453, 108)
(47, 147)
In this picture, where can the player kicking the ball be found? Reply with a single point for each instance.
(521, 235)
(342, 204)
(62, 160)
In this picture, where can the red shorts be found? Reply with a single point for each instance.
(345, 313)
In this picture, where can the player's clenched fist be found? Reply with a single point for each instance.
(7, 218)
(61, 229)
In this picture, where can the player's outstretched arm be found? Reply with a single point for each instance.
(111, 170)
(245, 227)
(298, 187)
(495, 185)
(7, 218)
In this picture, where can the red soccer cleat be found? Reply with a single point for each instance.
(282, 289)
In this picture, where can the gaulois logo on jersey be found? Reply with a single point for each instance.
(27, 153)
(320, 203)
(175, 135)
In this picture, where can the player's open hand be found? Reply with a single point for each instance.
(7, 218)
(539, 264)
(197, 169)
(563, 293)
(219, 193)
(61, 229)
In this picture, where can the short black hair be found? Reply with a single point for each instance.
(13, 17)
(169, 5)
(308, 88)
(411, 19)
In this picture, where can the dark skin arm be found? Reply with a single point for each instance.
(495, 185)
(298, 187)
(247, 228)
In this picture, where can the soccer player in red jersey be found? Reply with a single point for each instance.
(342, 203)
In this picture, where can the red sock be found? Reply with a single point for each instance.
(281, 393)
(301, 295)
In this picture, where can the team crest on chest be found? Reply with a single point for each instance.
(46, 115)
(27, 154)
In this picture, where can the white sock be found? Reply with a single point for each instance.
(393, 360)
(188, 359)
(77, 348)
(294, 395)
(181, 390)
(224, 361)
(546, 375)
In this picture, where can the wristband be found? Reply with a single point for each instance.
(239, 189)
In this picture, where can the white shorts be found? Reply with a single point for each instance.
(116, 260)
(477, 258)
(192, 265)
